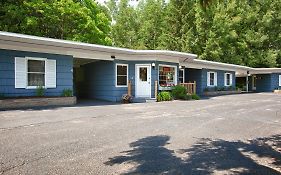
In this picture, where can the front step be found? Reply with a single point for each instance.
(143, 100)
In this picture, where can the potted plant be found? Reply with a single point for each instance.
(126, 98)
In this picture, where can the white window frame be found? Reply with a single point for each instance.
(230, 79)
(38, 59)
(176, 74)
(183, 75)
(118, 64)
(209, 79)
(279, 80)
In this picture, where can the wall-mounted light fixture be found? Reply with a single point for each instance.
(113, 56)
(153, 65)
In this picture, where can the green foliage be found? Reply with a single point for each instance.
(164, 96)
(179, 92)
(187, 97)
(237, 32)
(67, 93)
(40, 91)
(2, 96)
(195, 97)
(62, 19)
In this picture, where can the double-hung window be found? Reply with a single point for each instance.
(32, 72)
(121, 75)
(35, 72)
(211, 79)
(227, 79)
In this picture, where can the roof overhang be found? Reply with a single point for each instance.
(265, 70)
(13, 41)
(203, 64)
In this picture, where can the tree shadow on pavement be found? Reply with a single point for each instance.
(207, 156)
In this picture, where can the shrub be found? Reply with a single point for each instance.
(206, 89)
(179, 92)
(187, 97)
(164, 96)
(67, 93)
(2, 96)
(195, 97)
(230, 88)
(40, 91)
(215, 88)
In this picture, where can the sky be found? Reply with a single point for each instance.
(132, 2)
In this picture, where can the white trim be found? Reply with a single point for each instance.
(183, 76)
(136, 66)
(279, 80)
(225, 79)
(176, 73)
(121, 64)
(209, 79)
(20, 75)
(38, 59)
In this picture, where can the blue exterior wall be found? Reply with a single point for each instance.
(267, 82)
(64, 68)
(101, 78)
(200, 76)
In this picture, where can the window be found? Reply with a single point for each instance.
(279, 80)
(121, 75)
(31, 72)
(143, 74)
(167, 75)
(212, 79)
(227, 79)
(181, 76)
(35, 73)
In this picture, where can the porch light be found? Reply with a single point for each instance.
(153, 65)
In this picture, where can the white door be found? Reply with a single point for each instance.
(143, 81)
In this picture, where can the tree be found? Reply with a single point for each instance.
(62, 19)
(125, 24)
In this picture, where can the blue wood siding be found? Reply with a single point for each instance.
(267, 82)
(192, 75)
(200, 76)
(101, 78)
(7, 73)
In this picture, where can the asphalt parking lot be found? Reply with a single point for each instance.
(236, 134)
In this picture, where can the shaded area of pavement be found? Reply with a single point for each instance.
(207, 156)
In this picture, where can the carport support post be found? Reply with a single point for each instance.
(247, 83)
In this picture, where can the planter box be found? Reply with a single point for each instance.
(30, 102)
(277, 91)
(216, 93)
